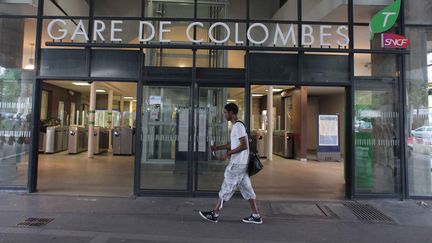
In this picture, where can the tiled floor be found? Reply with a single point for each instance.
(281, 179)
(104, 175)
(107, 175)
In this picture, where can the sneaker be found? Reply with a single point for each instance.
(210, 216)
(252, 220)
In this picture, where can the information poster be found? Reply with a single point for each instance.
(328, 130)
(183, 130)
(202, 132)
(155, 100)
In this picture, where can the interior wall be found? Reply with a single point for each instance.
(263, 103)
(296, 120)
(256, 111)
(102, 103)
(57, 94)
(277, 103)
(312, 122)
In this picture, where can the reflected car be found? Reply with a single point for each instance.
(422, 144)
(422, 131)
(362, 125)
(410, 140)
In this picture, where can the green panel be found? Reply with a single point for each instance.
(363, 165)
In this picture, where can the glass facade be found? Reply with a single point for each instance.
(377, 136)
(418, 120)
(166, 138)
(16, 90)
(193, 70)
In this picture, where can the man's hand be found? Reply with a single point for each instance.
(226, 156)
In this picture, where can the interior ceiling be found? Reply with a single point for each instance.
(262, 89)
(312, 90)
(236, 94)
(119, 88)
(129, 89)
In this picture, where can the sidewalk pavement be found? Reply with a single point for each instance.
(144, 219)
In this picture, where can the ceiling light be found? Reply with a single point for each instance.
(257, 95)
(100, 91)
(81, 84)
(231, 100)
(128, 98)
(275, 90)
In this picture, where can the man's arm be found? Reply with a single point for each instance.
(241, 147)
(221, 147)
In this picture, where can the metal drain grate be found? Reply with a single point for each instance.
(37, 222)
(366, 212)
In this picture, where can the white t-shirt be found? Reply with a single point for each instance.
(238, 131)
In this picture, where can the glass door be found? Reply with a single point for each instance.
(212, 128)
(377, 136)
(165, 129)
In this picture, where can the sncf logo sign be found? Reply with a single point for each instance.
(383, 21)
(394, 41)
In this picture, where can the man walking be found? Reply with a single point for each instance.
(236, 172)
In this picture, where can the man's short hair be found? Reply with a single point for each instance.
(231, 107)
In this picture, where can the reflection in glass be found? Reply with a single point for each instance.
(169, 58)
(273, 9)
(212, 127)
(18, 7)
(15, 124)
(419, 115)
(377, 143)
(221, 9)
(325, 10)
(418, 11)
(362, 38)
(16, 82)
(376, 65)
(365, 10)
(123, 8)
(164, 159)
(66, 8)
(220, 59)
(172, 9)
